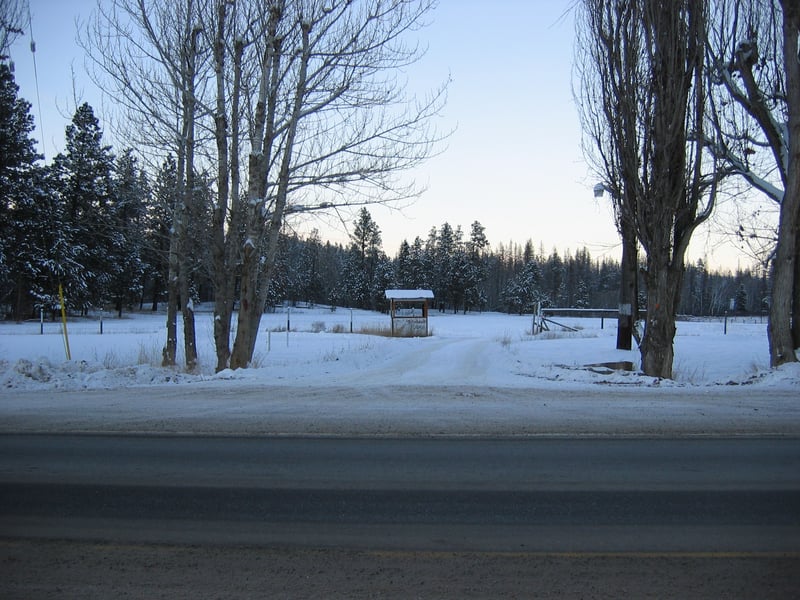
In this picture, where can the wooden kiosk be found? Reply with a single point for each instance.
(409, 312)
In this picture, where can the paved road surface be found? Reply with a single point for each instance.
(608, 495)
(89, 516)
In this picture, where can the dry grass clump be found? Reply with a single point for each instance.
(385, 331)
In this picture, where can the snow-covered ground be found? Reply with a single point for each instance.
(476, 370)
(489, 349)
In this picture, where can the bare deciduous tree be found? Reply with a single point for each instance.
(331, 125)
(643, 99)
(13, 16)
(146, 55)
(753, 60)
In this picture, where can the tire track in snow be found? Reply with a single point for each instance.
(451, 361)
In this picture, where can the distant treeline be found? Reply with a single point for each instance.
(466, 273)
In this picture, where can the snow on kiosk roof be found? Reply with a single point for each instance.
(409, 295)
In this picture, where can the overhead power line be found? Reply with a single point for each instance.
(36, 78)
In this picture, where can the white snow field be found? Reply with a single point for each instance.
(477, 373)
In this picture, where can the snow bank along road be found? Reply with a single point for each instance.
(245, 408)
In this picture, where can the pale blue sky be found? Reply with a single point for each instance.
(514, 162)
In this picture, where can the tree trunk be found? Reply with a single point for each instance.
(257, 269)
(250, 310)
(222, 300)
(629, 290)
(157, 285)
(178, 276)
(173, 289)
(796, 291)
(171, 347)
(189, 337)
(780, 330)
(187, 198)
(663, 293)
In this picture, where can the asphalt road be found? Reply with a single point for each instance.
(478, 495)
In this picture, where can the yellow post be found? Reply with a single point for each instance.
(64, 320)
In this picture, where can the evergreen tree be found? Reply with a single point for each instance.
(281, 286)
(699, 293)
(608, 283)
(17, 153)
(198, 224)
(524, 292)
(579, 279)
(412, 266)
(84, 181)
(382, 280)
(582, 295)
(331, 265)
(313, 289)
(43, 256)
(421, 266)
(362, 262)
(158, 221)
(528, 254)
(302, 277)
(460, 276)
(127, 219)
(740, 300)
(353, 289)
(403, 271)
(476, 271)
(555, 285)
(445, 249)
(34, 252)
(17, 165)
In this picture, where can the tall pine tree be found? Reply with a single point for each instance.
(84, 180)
(127, 219)
(362, 262)
(34, 250)
(17, 163)
(158, 221)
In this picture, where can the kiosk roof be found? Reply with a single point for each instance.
(409, 294)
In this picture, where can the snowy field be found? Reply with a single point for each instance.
(478, 374)
(488, 349)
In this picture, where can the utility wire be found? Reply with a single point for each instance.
(36, 79)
